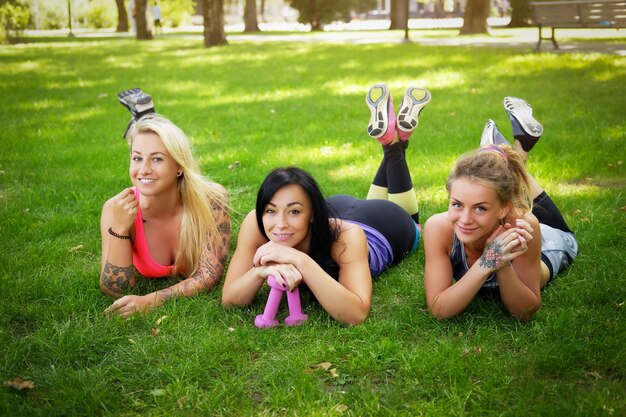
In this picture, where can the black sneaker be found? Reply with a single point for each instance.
(526, 129)
(137, 102)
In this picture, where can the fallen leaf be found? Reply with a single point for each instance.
(160, 320)
(231, 329)
(593, 374)
(341, 408)
(324, 365)
(477, 349)
(453, 114)
(76, 248)
(623, 208)
(181, 402)
(155, 331)
(234, 165)
(158, 392)
(334, 373)
(585, 219)
(20, 384)
(576, 212)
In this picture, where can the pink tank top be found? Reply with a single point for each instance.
(142, 259)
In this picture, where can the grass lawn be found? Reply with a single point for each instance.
(249, 107)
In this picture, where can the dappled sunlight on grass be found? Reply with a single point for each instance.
(249, 107)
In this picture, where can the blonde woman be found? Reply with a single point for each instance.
(501, 234)
(172, 221)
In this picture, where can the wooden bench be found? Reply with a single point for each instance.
(606, 14)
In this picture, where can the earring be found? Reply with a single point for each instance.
(179, 173)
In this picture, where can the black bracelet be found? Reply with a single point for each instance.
(112, 233)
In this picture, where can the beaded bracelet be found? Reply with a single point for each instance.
(112, 233)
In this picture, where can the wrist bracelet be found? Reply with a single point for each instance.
(112, 233)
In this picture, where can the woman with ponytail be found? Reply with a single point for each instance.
(501, 234)
(172, 222)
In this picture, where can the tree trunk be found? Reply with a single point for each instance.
(475, 17)
(142, 22)
(314, 12)
(393, 14)
(520, 14)
(403, 14)
(122, 16)
(249, 17)
(262, 13)
(213, 16)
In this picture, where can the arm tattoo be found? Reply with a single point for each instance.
(211, 263)
(492, 256)
(116, 279)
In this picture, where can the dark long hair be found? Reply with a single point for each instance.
(323, 235)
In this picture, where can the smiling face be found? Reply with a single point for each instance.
(287, 217)
(474, 210)
(152, 169)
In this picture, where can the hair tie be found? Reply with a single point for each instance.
(493, 148)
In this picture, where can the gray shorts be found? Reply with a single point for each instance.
(558, 248)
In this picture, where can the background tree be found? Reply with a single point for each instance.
(249, 17)
(141, 20)
(393, 14)
(14, 16)
(318, 12)
(122, 16)
(213, 17)
(475, 17)
(520, 14)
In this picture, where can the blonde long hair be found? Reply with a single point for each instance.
(498, 167)
(198, 193)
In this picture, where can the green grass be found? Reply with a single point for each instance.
(272, 104)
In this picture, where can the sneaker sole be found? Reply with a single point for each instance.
(486, 138)
(377, 100)
(523, 113)
(415, 99)
(143, 99)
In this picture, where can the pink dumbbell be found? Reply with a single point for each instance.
(268, 318)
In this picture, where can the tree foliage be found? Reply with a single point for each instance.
(319, 12)
(14, 17)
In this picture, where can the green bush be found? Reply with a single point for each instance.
(14, 17)
(100, 14)
(175, 12)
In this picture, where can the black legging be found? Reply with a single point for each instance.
(386, 217)
(547, 213)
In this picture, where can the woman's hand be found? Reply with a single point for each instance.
(524, 231)
(132, 304)
(505, 244)
(286, 275)
(125, 207)
(273, 253)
